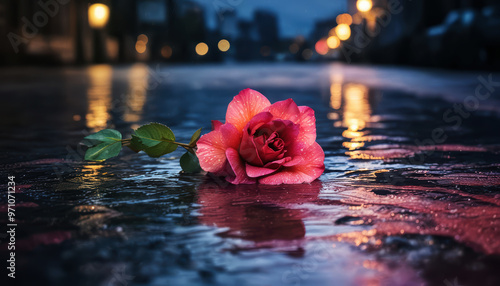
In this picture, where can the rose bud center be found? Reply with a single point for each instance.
(270, 147)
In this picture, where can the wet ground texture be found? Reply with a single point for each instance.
(410, 195)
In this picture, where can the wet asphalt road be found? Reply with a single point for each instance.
(410, 195)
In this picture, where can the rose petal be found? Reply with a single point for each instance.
(268, 154)
(307, 123)
(230, 135)
(240, 176)
(257, 121)
(248, 149)
(285, 109)
(277, 163)
(245, 106)
(295, 161)
(287, 130)
(212, 147)
(306, 172)
(216, 124)
(285, 162)
(255, 172)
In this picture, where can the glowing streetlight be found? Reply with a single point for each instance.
(223, 45)
(98, 15)
(343, 31)
(364, 5)
(201, 49)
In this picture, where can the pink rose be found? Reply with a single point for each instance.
(270, 144)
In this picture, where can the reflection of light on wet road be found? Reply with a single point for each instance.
(99, 96)
(336, 90)
(92, 177)
(355, 110)
(136, 95)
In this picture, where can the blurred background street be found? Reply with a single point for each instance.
(439, 33)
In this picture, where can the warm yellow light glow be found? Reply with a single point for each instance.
(135, 98)
(357, 109)
(143, 38)
(99, 96)
(166, 51)
(294, 48)
(140, 47)
(333, 42)
(201, 49)
(98, 15)
(343, 31)
(336, 90)
(364, 5)
(344, 19)
(352, 134)
(223, 45)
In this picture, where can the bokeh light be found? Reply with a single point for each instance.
(143, 38)
(201, 49)
(166, 51)
(321, 47)
(333, 42)
(294, 48)
(364, 5)
(307, 54)
(343, 31)
(344, 19)
(223, 45)
(98, 15)
(140, 47)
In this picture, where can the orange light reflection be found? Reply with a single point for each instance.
(99, 96)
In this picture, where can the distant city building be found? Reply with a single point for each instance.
(228, 24)
(266, 24)
(246, 43)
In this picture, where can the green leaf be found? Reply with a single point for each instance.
(136, 145)
(155, 139)
(153, 134)
(160, 149)
(189, 163)
(196, 136)
(103, 151)
(90, 142)
(106, 135)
